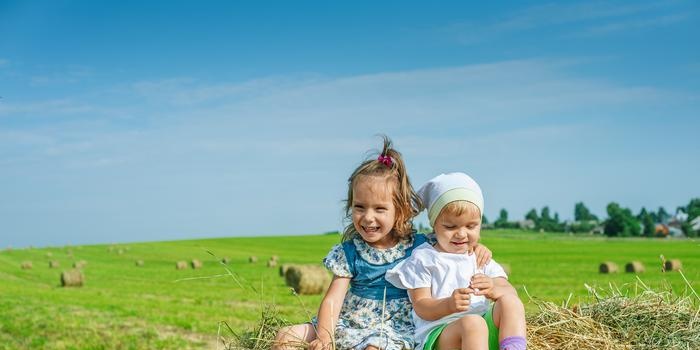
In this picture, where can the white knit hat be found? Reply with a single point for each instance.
(446, 188)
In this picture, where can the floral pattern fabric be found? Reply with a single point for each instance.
(364, 322)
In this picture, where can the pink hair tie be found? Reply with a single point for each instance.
(386, 160)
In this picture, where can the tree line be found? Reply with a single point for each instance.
(621, 222)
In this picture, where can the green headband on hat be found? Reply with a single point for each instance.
(453, 195)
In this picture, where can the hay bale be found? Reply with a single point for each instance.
(307, 279)
(139, 263)
(634, 267)
(608, 267)
(225, 260)
(673, 265)
(26, 265)
(49, 254)
(181, 265)
(196, 264)
(284, 268)
(275, 258)
(72, 278)
(253, 259)
(271, 263)
(54, 264)
(80, 264)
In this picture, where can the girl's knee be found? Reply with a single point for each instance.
(473, 323)
(511, 303)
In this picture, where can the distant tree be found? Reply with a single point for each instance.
(502, 221)
(484, 220)
(662, 215)
(647, 221)
(544, 214)
(532, 215)
(581, 213)
(621, 222)
(693, 209)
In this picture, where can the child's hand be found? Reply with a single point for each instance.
(321, 343)
(483, 255)
(482, 284)
(460, 300)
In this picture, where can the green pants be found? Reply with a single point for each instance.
(431, 342)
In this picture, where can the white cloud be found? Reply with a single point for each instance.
(556, 14)
(634, 24)
(531, 130)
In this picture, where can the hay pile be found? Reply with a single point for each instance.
(672, 265)
(72, 278)
(196, 264)
(608, 267)
(262, 336)
(615, 321)
(648, 320)
(634, 267)
(139, 262)
(181, 265)
(79, 264)
(26, 265)
(253, 259)
(307, 279)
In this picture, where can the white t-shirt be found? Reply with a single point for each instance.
(443, 273)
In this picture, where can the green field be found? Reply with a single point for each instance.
(123, 306)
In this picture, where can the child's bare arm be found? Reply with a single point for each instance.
(329, 312)
(432, 309)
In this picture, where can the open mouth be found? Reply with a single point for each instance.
(371, 229)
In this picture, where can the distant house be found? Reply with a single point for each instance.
(695, 224)
(526, 224)
(675, 232)
(661, 230)
(598, 230)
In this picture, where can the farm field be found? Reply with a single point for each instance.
(155, 306)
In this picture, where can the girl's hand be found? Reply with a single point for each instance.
(482, 284)
(321, 343)
(460, 300)
(483, 255)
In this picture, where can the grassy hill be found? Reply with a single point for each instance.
(122, 306)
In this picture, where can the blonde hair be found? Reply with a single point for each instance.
(458, 208)
(405, 200)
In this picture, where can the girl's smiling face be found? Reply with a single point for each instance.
(458, 231)
(373, 211)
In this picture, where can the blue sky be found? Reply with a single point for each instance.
(124, 121)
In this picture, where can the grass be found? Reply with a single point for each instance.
(123, 306)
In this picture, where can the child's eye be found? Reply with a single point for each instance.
(449, 227)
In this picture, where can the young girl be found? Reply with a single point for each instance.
(450, 293)
(372, 314)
